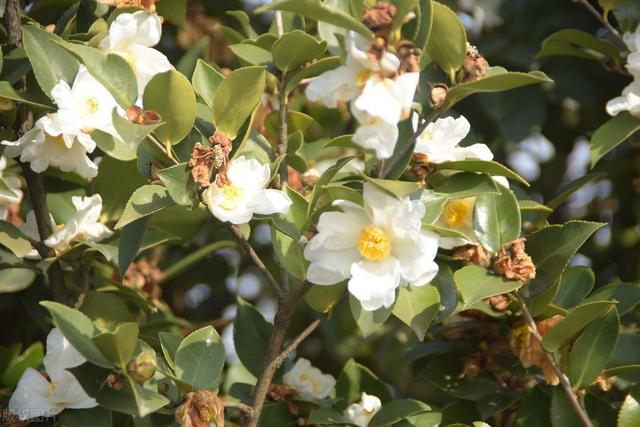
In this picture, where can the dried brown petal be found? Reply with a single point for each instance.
(474, 66)
(514, 263)
(530, 352)
(150, 5)
(115, 381)
(499, 302)
(474, 254)
(221, 140)
(420, 168)
(380, 17)
(284, 393)
(139, 116)
(145, 277)
(13, 215)
(199, 409)
(471, 366)
(201, 164)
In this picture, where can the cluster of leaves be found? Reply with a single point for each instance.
(151, 198)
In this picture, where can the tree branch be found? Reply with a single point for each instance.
(564, 381)
(295, 343)
(592, 10)
(35, 183)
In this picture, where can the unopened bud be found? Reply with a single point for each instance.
(438, 95)
(142, 368)
(380, 17)
(474, 66)
(115, 380)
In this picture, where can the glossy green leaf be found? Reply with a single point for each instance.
(180, 184)
(576, 320)
(356, 379)
(296, 121)
(13, 239)
(434, 204)
(484, 166)
(131, 238)
(324, 298)
(476, 283)
(611, 134)
(31, 357)
(78, 330)
(50, 62)
(448, 52)
(467, 184)
(315, 9)
(531, 206)
(575, 284)
(551, 249)
(200, 358)
(563, 414)
(131, 134)
(34, 99)
(169, 344)
(397, 410)
(496, 219)
(326, 178)
(206, 80)
(144, 201)
(289, 253)
(251, 336)
(426, 24)
(296, 48)
(417, 306)
(112, 146)
(593, 348)
(310, 71)
(324, 416)
(120, 344)
(368, 321)
(568, 189)
(254, 55)
(580, 44)
(170, 94)
(398, 189)
(236, 97)
(627, 295)
(174, 11)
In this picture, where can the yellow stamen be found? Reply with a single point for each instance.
(457, 213)
(232, 196)
(92, 105)
(374, 244)
(362, 77)
(305, 377)
(52, 387)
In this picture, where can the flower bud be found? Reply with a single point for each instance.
(438, 95)
(474, 66)
(142, 368)
(115, 380)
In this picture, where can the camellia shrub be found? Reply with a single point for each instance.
(303, 229)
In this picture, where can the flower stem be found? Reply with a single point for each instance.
(564, 381)
(592, 10)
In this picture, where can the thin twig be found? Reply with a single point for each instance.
(283, 170)
(248, 249)
(246, 409)
(275, 364)
(409, 146)
(564, 381)
(592, 10)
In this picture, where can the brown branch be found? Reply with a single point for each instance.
(409, 146)
(245, 409)
(283, 170)
(248, 249)
(564, 381)
(592, 10)
(275, 364)
(35, 182)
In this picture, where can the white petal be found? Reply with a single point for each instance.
(60, 353)
(31, 397)
(147, 63)
(417, 265)
(267, 202)
(379, 136)
(374, 283)
(476, 151)
(328, 266)
(69, 393)
(381, 98)
(333, 86)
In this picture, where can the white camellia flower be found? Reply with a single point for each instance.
(87, 104)
(377, 247)
(132, 36)
(628, 101)
(457, 216)
(14, 183)
(308, 380)
(440, 141)
(35, 396)
(55, 141)
(632, 41)
(84, 226)
(246, 194)
(361, 413)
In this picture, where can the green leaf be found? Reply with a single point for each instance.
(417, 306)
(356, 379)
(296, 121)
(576, 320)
(325, 179)
(434, 204)
(368, 321)
(206, 80)
(496, 219)
(499, 81)
(252, 54)
(120, 344)
(627, 295)
(397, 410)
(174, 11)
(484, 166)
(296, 48)
(106, 307)
(315, 9)
(426, 24)
(130, 241)
(531, 206)
(404, 8)
(310, 71)
(563, 413)
(476, 283)
(111, 70)
(324, 298)
(611, 134)
(131, 133)
(169, 344)
(577, 43)
(30, 98)
(95, 417)
(50, 62)
(170, 94)
(30, 358)
(551, 249)
(575, 284)
(289, 253)
(467, 184)
(323, 416)
(629, 415)
(251, 335)
(13, 239)
(200, 358)
(448, 52)
(180, 184)
(236, 97)
(397, 189)
(568, 189)
(593, 349)
(112, 146)
(534, 409)
(144, 201)
(78, 330)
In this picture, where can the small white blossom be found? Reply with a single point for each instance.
(377, 247)
(35, 396)
(84, 226)
(55, 141)
(457, 216)
(309, 381)
(13, 182)
(132, 36)
(628, 101)
(246, 194)
(362, 412)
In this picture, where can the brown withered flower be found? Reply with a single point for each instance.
(13, 215)
(199, 409)
(222, 146)
(474, 66)
(530, 352)
(380, 17)
(420, 168)
(474, 254)
(150, 5)
(499, 302)
(115, 380)
(139, 116)
(409, 56)
(514, 263)
(284, 393)
(201, 164)
(146, 277)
